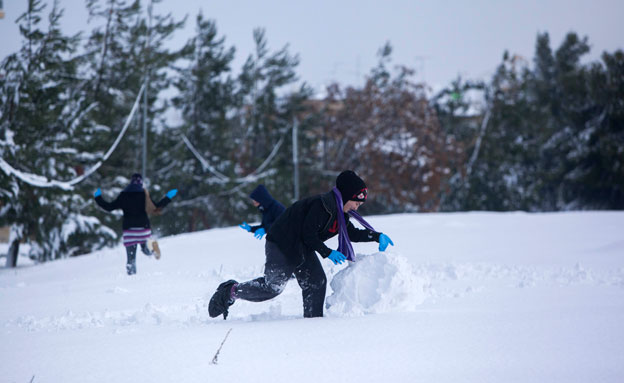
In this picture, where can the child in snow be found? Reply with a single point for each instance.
(268, 206)
(136, 203)
(292, 242)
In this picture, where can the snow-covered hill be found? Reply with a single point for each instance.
(472, 297)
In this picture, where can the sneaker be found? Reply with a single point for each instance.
(152, 245)
(221, 300)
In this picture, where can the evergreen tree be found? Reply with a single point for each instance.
(267, 114)
(237, 125)
(42, 114)
(554, 138)
(206, 102)
(123, 51)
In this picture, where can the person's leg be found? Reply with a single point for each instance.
(313, 283)
(131, 262)
(277, 272)
(145, 249)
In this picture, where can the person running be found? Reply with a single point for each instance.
(136, 203)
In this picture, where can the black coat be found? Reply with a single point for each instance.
(305, 225)
(132, 202)
(269, 207)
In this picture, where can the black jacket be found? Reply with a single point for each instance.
(269, 207)
(308, 223)
(132, 202)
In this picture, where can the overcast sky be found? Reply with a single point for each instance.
(338, 40)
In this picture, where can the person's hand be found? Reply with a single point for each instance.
(245, 226)
(259, 233)
(337, 257)
(384, 241)
(97, 193)
(171, 193)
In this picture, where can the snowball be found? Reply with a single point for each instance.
(376, 283)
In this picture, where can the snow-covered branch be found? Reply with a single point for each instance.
(43, 182)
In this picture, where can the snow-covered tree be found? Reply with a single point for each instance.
(235, 129)
(206, 102)
(126, 46)
(43, 105)
(553, 138)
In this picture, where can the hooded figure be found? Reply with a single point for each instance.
(136, 203)
(293, 241)
(269, 207)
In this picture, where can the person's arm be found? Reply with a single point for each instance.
(166, 199)
(108, 206)
(361, 235)
(162, 203)
(312, 225)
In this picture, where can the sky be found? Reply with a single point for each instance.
(339, 40)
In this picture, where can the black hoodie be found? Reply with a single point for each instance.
(269, 207)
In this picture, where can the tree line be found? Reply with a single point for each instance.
(544, 135)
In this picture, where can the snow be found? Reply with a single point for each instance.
(461, 297)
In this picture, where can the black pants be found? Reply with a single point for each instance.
(278, 270)
(131, 253)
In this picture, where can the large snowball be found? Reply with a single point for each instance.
(376, 283)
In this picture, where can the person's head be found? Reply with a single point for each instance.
(136, 179)
(352, 190)
(260, 196)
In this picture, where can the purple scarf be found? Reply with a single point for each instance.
(344, 243)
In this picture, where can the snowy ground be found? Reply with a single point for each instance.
(476, 297)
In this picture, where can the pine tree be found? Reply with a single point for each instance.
(554, 138)
(206, 102)
(267, 113)
(127, 47)
(43, 101)
(238, 125)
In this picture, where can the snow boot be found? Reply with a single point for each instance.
(131, 268)
(221, 300)
(152, 245)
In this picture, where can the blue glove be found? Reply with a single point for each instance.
(259, 233)
(245, 226)
(97, 193)
(384, 241)
(337, 257)
(171, 193)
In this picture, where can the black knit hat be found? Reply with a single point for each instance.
(136, 179)
(351, 187)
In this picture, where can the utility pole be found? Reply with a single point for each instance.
(295, 158)
(147, 57)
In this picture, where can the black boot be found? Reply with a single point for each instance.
(131, 263)
(131, 268)
(221, 300)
